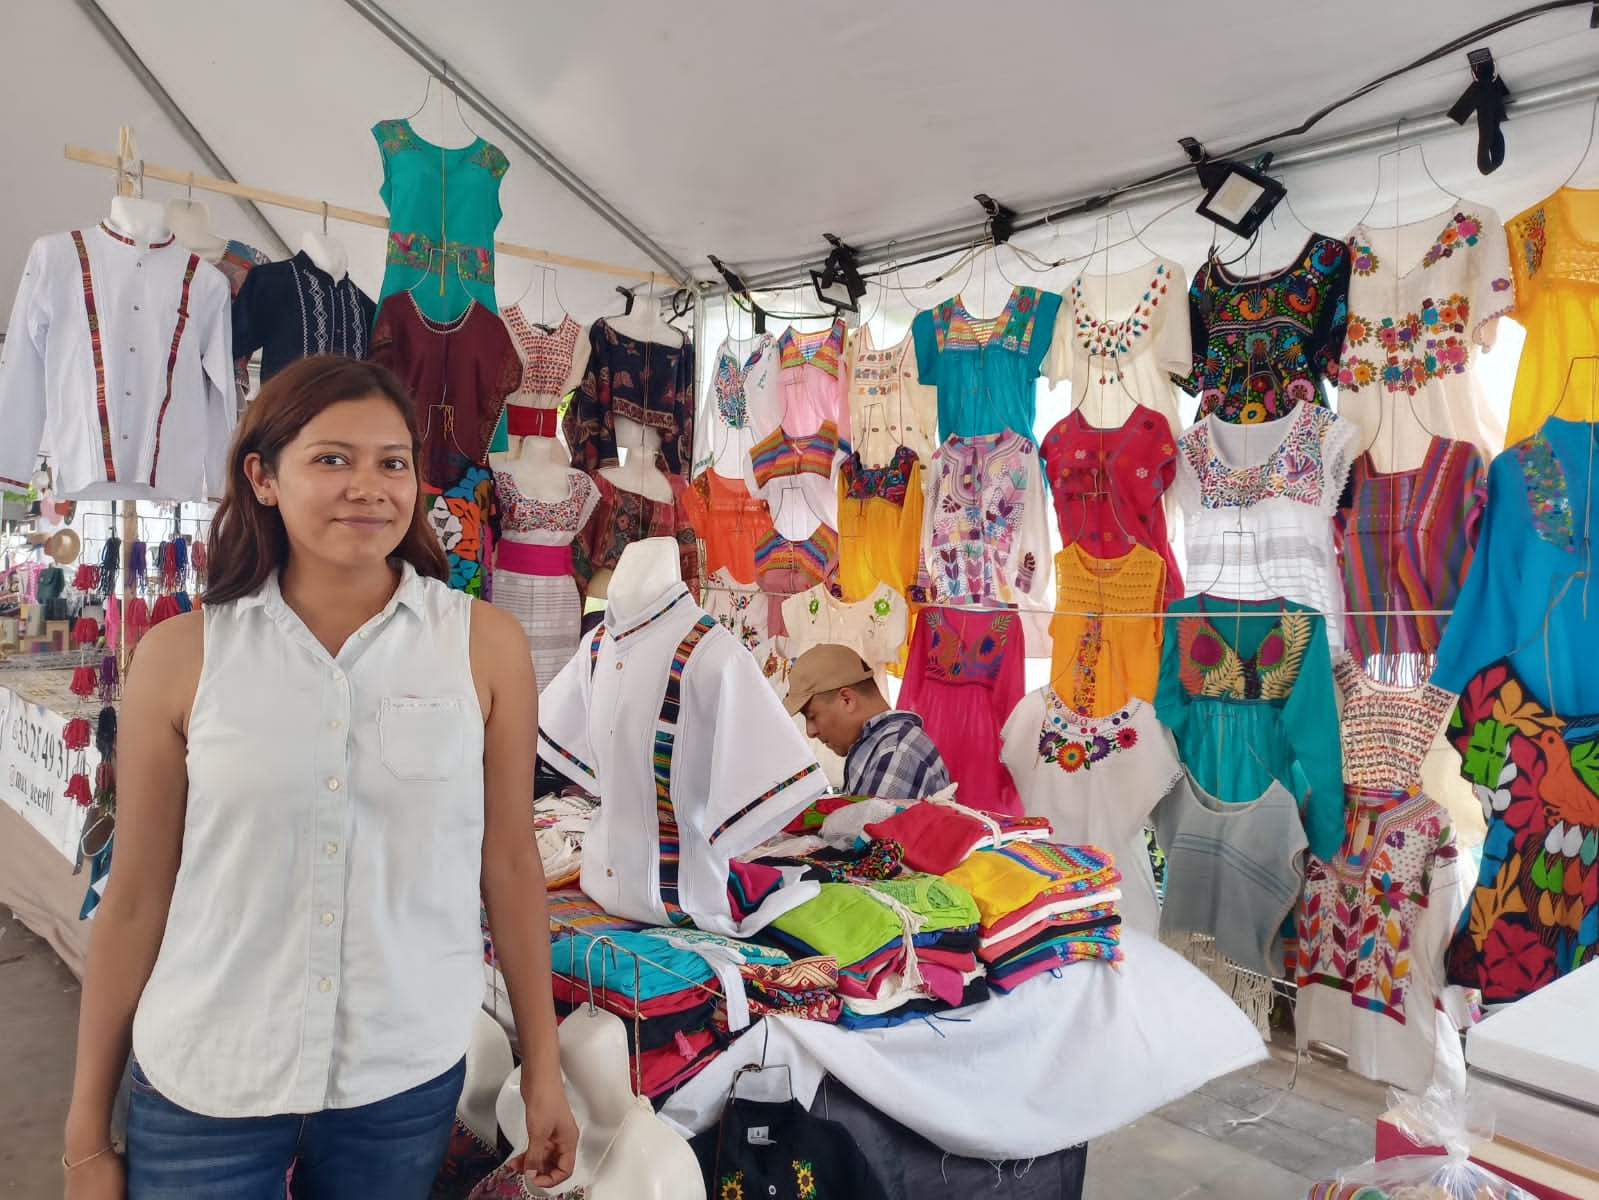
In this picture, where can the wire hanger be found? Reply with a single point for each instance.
(1593, 122)
(1398, 152)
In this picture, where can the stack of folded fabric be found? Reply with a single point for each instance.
(1042, 906)
(905, 946)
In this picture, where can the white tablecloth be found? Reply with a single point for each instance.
(1057, 1062)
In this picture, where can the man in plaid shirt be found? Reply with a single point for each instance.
(886, 752)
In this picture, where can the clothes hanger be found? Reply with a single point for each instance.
(1593, 122)
(1398, 152)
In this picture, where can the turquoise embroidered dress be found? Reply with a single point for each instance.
(986, 371)
(1246, 687)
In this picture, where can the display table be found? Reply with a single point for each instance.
(39, 824)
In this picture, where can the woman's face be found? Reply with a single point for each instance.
(346, 486)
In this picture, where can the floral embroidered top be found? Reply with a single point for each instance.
(809, 384)
(1405, 542)
(889, 406)
(620, 518)
(1263, 343)
(1256, 708)
(1524, 598)
(444, 206)
(1099, 663)
(742, 386)
(986, 371)
(553, 362)
(1376, 918)
(1554, 254)
(1110, 485)
(729, 521)
(538, 522)
(1258, 504)
(1422, 298)
(985, 524)
(1119, 340)
(738, 608)
(647, 382)
(875, 628)
(879, 524)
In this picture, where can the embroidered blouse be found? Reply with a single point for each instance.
(1405, 542)
(459, 373)
(1119, 340)
(553, 361)
(1422, 299)
(742, 387)
(729, 521)
(1110, 485)
(739, 609)
(810, 383)
(1101, 662)
(986, 370)
(444, 206)
(985, 523)
(540, 522)
(889, 407)
(619, 519)
(875, 627)
(879, 524)
(794, 475)
(292, 309)
(1258, 505)
(646, 382)
(1554, 253)
(1263, 343)
(1257, 708)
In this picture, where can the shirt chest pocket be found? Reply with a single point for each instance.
(423, 738)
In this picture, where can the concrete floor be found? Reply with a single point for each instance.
(1186, 1151)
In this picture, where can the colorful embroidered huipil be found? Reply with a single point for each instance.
(1259, 503)
(889, 407)
(118, 357)
(1422, 298)
(809, 389)
(963, 677)
(459, 515)
(1110, 485)
(879, 524)
(648, 383)
(986, 370)
(1554, 254)
(1264, 343)
(621, 518)
(985, 524)
(444, 206)
(657, 715)
(742, 392)
(553, 362)
(1120, 338)
(1376, 918)
(1247, 691)
(1101, 662)
(292, 309)
(1405, 541)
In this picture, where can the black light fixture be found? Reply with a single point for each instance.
(1238, 197)
(839, 283)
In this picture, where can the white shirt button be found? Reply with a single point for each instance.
(327, 918)
(333, 785)
(363, 634)
(332, 849)
(337, 675)
(324, 985)
(335, 723)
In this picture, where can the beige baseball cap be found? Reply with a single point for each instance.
(821, 669)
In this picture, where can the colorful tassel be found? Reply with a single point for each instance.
(169, 566)
(105, 786)
(135, 622)
(110, 565)
(86, 632)
(108, 682)
(86, 578)
(76, 734)
(105, 732)
(185, 604)
(180, 557)
(197, 559)
(113, 623)
(78, 790)
(83, 682)
(165, 607)
(138, 567)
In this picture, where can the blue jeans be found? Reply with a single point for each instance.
(391, 1148)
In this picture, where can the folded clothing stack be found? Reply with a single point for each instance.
(1042, 906)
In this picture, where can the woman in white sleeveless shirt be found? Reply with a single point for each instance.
(319, 772)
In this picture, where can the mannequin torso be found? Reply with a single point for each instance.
(638, 472)
(644, 324)
(327, 253)
(190, 220)
(488, 1062)
(539, 468)
(643, 573)
(142, 220)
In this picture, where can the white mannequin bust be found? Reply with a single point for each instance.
(190, 220)
(624, 1151)
(540, 468)
(646, 569)
(145, 221)
(326, 252)
(488, 1062)
(638, 472)
(645, 323)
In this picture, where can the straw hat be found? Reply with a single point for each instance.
(63, 545)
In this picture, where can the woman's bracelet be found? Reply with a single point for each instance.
(73, 1166)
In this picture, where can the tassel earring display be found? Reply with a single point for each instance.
(185, 604)
(86, 578)
(78, 790)
(86, 632)
(169, 566)
(135, 622)
(180, 562)
(198, 558)
(138, 567)
(84, 682)
(76, 734)
(105, 732)
(165, 607)
(110, 565)
(108, 685)
(105, 787)
(113, 623)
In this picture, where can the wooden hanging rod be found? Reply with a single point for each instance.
(337, 212)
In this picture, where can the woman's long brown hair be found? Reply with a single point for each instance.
(248, 541)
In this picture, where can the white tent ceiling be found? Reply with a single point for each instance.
(745, 130)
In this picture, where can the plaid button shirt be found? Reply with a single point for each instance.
(894, 759)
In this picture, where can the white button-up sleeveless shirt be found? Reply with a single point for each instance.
(323, 948)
